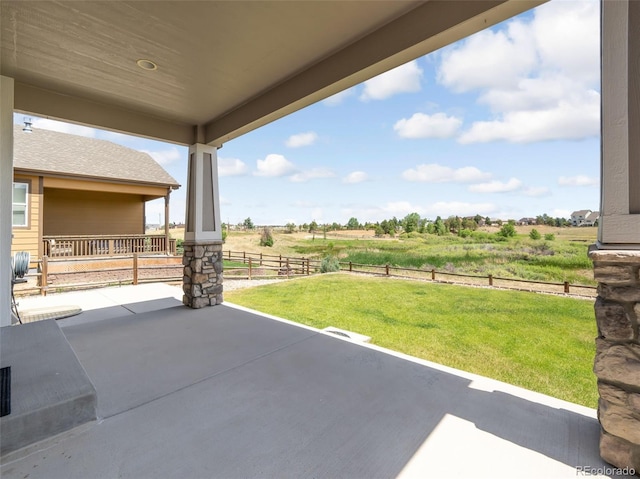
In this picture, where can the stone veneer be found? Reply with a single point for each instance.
(202, 280)
(617, 363)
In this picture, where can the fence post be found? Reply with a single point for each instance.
(308, 267)
(350, 266)
(260, 259)
(433, 275)
(490, 280)
(135, 268)
(287, 263)
(280, 262)
(250, 266)
(566, 287)
(386, 268)
(44, 281)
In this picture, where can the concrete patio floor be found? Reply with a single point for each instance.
(224, 392)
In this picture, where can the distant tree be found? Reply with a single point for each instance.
(313, 227)
(439, 227)
(289, 228)
(471, 223)
(477, 219)
(335, 226)
(410, 222)
(487, 221)
(353, 224)
(248, 224)
(304, 227)
(534, 234)
(379, 232)
(266, 238)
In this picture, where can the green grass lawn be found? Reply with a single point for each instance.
(540, 342)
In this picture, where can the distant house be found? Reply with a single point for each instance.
(579, 217)
(592, 219)
(526, 221)
(69, 185)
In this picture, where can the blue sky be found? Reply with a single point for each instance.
(504, 124)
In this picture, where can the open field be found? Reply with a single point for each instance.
(543, 343)
(562, 259)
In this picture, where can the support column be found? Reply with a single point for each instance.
(6, 194)
(202, 260)
(616, 255)
(167, 236)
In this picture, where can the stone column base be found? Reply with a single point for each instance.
(617, 362)
(202, 280)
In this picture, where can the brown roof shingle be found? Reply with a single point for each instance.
(65, 154)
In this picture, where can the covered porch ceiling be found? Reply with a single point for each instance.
(223, 67)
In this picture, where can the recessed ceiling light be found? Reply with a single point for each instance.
(147, 64)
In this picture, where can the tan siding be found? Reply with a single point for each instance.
(68, 212)
(28, 239)
(79, 184)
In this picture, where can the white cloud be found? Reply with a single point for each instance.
(274, 165)
(460, 208)
(421, 125)
(231, 167)
(302, 139)
(579, 180)
(539, 77)
(70, 128)
(355, 177)
(164, 157)
(536, 191)
(338, 98)
(567, 120)
(403, 79)
(496, 186)
(434, 173)
(312, 174)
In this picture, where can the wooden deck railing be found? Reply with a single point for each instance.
(105, 245)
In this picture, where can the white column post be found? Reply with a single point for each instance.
(202, 260)
(6, 194)
(616, 256)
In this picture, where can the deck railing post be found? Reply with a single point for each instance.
(43, 275)
(135, 268)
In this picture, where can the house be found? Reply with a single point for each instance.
(578, 217)
(592, 219)
(526, 221)
(68, 185)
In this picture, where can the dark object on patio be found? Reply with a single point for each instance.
(5, 391)
(19, 267)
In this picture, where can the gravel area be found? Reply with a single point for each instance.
(233, 284)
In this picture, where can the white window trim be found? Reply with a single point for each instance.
(25, 204)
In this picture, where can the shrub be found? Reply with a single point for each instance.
(507, 231)
(329, 264)
(266, 238)
(465, 233)
(549, 237)
(535, 234)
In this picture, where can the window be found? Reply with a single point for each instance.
(20, 204)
